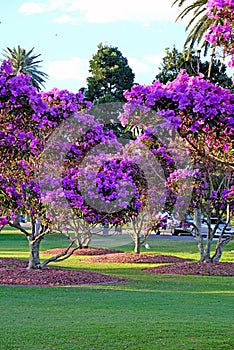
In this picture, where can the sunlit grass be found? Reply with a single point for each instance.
(145, 313)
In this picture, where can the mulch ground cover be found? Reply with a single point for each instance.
(196, 268)
(126, 258)
(84, 251)
(14, 271)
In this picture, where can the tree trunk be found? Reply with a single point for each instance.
(197, 218)
(137, 245)
(206, 256)
(200, 245)
(106, 230)
(34, 258)
(228, 213)
(86, 242)
(218, 253)
(211, 62)
(220, 247)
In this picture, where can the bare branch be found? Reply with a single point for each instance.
(220, 247)
(19, 227)
(61, 256)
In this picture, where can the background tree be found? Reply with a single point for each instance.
(26, 62)
(198, 9)
(189, 60)
(110, 76)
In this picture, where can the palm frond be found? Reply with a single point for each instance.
(198, 24)
(28, 63)
(196, 34)
(195, 7)
(203, 18)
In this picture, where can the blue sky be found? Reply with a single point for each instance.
(67, 32)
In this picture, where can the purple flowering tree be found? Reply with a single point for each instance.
(202, 115)
(190, 105)
(212, 197)
(100, 185)
(103, 181)
(27, 118)
(157, 164)
(55, 169)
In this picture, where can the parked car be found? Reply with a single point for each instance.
(22, 218)
(168, 222)
(188, 227)
(223, 226)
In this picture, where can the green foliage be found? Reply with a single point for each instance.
(110, 76)
(26, 62)
(174, 60)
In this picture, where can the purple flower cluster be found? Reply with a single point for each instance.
(63, 104)
(191, 105)
(101, 188)
(221, 31)
(27, 118)
(198, 111)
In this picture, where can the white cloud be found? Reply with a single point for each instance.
(146, 67)
(105, 11)
(75, 68)
(146, 63)
(143, 11)
(30, 8)
(138, 65)
(155, 59)
(67, 19)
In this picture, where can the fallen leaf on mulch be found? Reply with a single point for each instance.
(85, 251)
(136, 258)
(14, 272)
(196, 268)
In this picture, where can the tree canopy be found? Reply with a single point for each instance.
(201, 113)
(110, 76)
(174, 61)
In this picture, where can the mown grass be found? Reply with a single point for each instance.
(147, 312)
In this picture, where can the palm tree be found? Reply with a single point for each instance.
(27, 63)
(196, 34)
(197, 29)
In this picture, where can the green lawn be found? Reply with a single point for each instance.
(147, 312)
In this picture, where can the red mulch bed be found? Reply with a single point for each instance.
(196, 268)
(85, 251)
(116, 256)
(14, 272)
(125, 258)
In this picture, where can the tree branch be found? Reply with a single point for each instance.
(220, 246)
(63, 255)
(19, 227)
